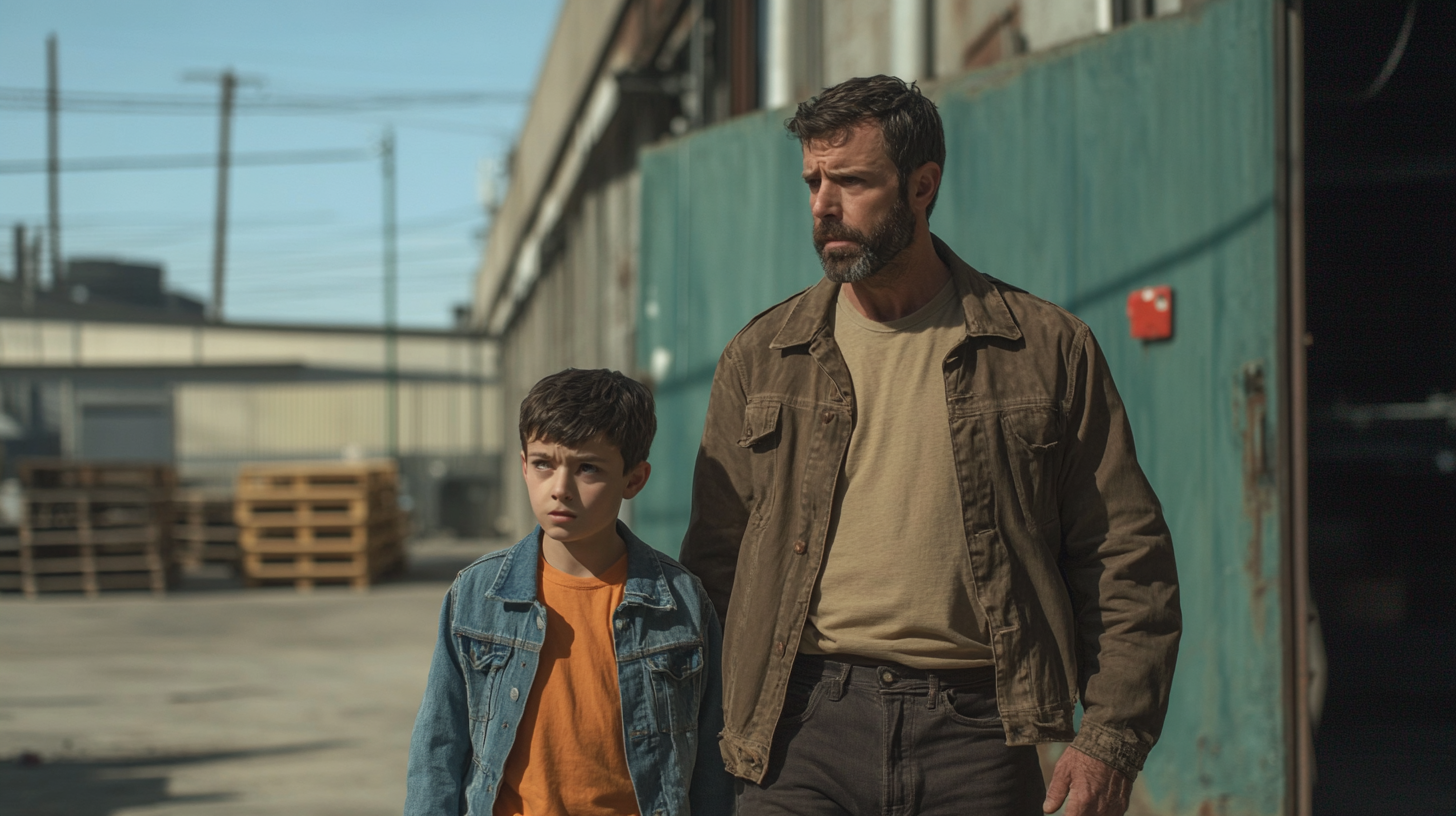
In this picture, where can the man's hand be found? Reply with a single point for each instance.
(1096, 788)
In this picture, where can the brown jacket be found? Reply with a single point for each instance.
(1070, 556)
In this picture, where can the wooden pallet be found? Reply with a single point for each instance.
(95, 527)
(72, 473)
(307, 568)
(315, 512)
(9, 560)
(315, 480)
(203, 530)
(68, 509)
(357, 554)
(334, 538)
(92, 560)
(311, 522)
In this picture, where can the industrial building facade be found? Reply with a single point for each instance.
(558, 284)
(1284, 169)
(210, 397)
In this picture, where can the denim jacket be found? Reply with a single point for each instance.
(492, 626)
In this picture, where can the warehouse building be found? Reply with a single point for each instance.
(209, 397)
(1285, 169)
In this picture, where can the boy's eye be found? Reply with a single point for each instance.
(589, 468)
(540, 464)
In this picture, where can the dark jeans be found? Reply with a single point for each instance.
(891, 740)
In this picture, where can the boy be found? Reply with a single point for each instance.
(576, 672)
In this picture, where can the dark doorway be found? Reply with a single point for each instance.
(1380, 136)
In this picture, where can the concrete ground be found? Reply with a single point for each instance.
(218, 701)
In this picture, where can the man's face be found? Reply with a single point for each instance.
(862, 217)
(576, 492)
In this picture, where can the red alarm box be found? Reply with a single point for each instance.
(1150, 313)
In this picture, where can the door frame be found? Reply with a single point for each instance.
(1293, 418)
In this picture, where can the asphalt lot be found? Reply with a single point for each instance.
(215, 700)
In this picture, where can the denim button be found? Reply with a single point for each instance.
(888, 678)
(619, 623)
(515, 694)
(540, 623)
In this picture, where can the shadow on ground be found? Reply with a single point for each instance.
(100, 787)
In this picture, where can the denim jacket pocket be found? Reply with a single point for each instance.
(676, 676)
(1032, 437)
(760, 435)
(482, 662)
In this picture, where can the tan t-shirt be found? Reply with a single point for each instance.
(896, 582)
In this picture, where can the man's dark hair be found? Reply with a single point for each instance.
(577, 405)
(909, 123)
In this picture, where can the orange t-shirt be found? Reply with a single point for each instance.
(569, 758)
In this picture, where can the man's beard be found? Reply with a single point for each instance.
(885, 240)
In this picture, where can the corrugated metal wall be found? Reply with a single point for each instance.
(580, 315)
(1148, 156)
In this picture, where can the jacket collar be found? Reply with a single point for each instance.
(985, 309)
(646, 582)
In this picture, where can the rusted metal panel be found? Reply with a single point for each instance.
(1141, 158)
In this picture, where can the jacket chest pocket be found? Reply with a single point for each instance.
(761, 437)
(483, 664)
(676, 679)
(1032, 446)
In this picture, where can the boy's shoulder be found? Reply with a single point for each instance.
(683, 584)
(480, 575)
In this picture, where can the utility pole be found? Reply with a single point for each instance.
(391, 295)
(25, 274)
(53, 162)
(219, 227)
(228, 82)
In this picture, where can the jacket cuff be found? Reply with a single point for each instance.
(1108, 746)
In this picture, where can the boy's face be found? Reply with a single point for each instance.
(577, 492)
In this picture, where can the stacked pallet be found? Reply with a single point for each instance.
(203, 530)
(93, 526)
(9, 559)
(319, 522)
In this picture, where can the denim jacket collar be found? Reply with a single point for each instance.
(985, 309)
(646, 583)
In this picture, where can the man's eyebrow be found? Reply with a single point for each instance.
(856, 171)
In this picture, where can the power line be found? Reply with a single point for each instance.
(34, 99)
(176, 161)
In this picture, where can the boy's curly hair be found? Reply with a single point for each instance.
(577, 405)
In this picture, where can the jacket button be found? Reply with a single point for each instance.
(515, 694)
(540, 623)
(828, 417)
(779, 648)
(800, 547)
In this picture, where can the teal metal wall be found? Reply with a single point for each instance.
(1144, 157)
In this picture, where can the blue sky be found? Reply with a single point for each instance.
(304, 242)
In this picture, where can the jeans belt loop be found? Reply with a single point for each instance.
(840, 683)
(934, 692)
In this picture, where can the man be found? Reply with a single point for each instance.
(917, 502)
